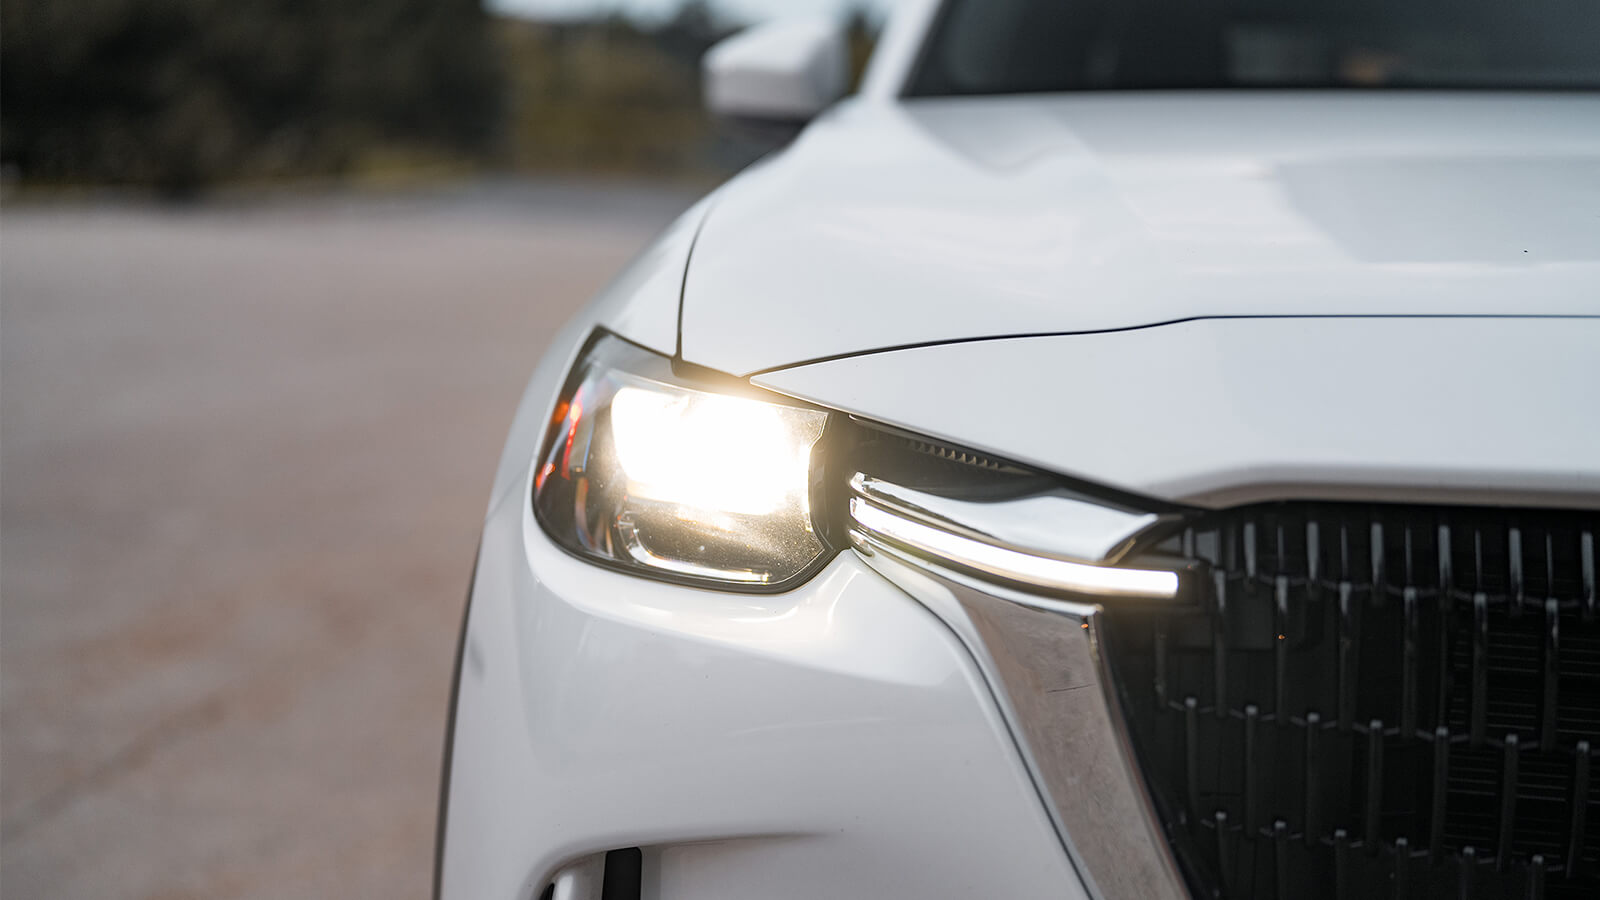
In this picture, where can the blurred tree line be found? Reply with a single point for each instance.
(179, 94)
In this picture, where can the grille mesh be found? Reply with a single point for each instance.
(1371, 701)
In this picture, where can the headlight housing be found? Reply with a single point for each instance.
(677, 477)
(691, 476)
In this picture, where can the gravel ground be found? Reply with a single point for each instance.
(246, 451)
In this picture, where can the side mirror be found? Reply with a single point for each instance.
(779, 74)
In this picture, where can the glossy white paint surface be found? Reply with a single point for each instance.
(1219, 412)
(641, 303)
(840, 740)
(788, 70)
(833, 741)
(888, 224)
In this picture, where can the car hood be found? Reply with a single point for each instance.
(926, 221)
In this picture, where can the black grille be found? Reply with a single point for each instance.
(1374, 701)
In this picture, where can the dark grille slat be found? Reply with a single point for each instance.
(1280, 648)
(1219, 645)
(1480, 666)
(1280, 846)
(1252, 768)
(1508, 800)
(1408, 684)
(1374, 701)
(1550, 672)
(1311, 806)
(1586, 552)
(1344, 864)
(1514, 554)
(1580, 810)
(1402, 870)
(1313, 552)
(1347, 656)
(1379, 574)
(1441, 790)
(1373, 834)
(1446, 569)
(1191, 749)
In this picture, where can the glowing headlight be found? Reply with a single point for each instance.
(644, 471)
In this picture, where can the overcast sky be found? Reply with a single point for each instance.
(747, 10)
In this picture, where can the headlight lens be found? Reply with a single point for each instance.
(686, 481)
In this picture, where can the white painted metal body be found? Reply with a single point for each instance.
(891, 224)
(1219, 412)
(1226, 298)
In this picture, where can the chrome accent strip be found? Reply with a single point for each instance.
(952, 548)
(1051, 524)
(1043, 662)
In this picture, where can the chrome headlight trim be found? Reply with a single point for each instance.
(1053, 523)
(922, 524)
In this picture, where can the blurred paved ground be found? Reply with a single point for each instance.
(244, 453)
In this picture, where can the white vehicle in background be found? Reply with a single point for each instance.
(1130, 450)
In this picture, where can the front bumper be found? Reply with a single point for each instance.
(837, 740)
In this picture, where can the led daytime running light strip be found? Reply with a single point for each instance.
(1005, 563)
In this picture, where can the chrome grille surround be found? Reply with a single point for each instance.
(1042, 656)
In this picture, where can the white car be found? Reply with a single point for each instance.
(1129, 450)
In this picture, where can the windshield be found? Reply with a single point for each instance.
(1014, 46)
